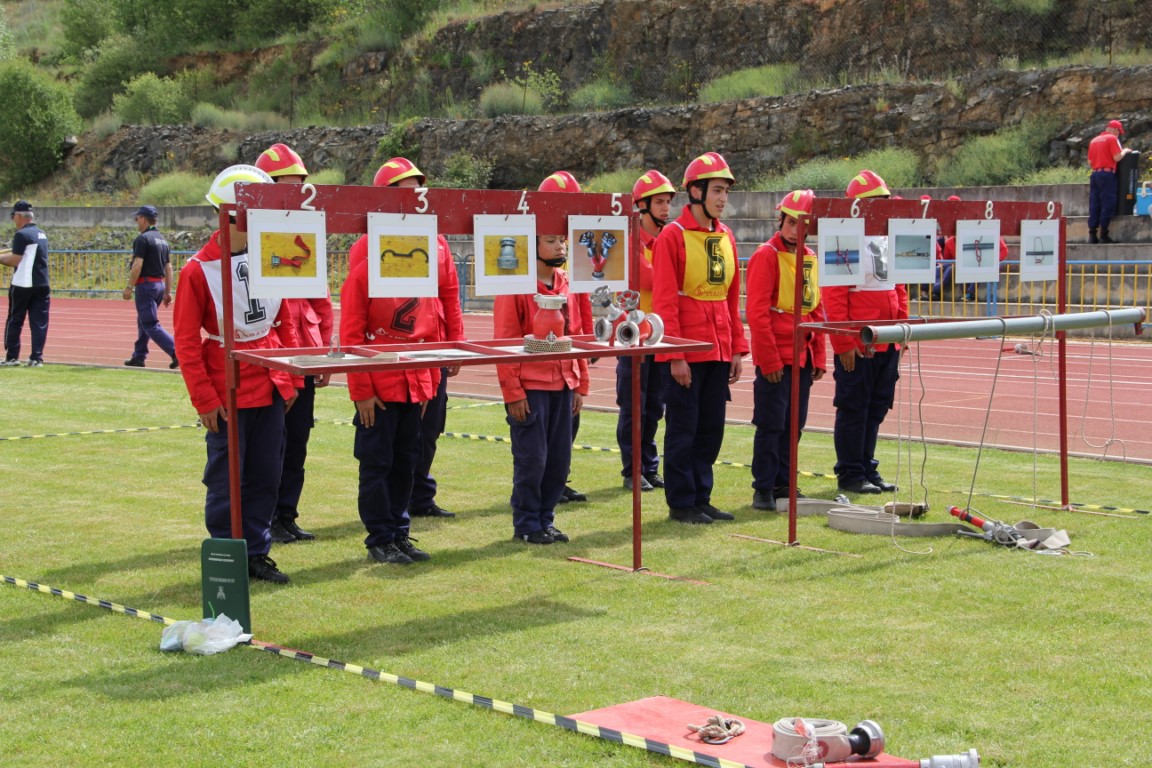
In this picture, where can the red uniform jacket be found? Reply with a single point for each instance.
(312, 321)
(451, 327)
(387, 321)
(512, 317)
(685, 317)
(202, 359)
(772, 328)
(1102, 152)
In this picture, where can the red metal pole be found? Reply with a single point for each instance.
(637, 417)
(231, 374)
(798, 348)
(1062, 364)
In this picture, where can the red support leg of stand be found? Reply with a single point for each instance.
(798, 358)
(1062, 365)
(231, 376)
(637, 474)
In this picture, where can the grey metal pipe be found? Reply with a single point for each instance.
(964, 329)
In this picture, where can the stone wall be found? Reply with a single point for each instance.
(757, 136)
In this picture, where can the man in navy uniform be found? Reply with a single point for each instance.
(29, 294)
(150, 282)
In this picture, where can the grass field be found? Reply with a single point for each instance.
(947, 643)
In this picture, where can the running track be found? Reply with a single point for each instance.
(1109, 393)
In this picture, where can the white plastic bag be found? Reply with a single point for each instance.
(203, 637)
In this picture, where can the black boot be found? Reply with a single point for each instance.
(1092, 239)
(1104, 236)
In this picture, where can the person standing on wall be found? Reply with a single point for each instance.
(312, 321)
(1104, 152)
(150, 283)
(29, 294)
(696, 292)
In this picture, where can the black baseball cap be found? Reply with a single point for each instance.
(147, 210)
(22, 206)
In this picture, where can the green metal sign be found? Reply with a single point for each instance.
(224, 580)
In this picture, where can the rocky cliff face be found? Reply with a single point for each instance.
(755, 135)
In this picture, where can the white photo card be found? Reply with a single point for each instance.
(978, 251)
(1039, 250)
(402, 255)
(598, 253)
(838, 251)
(287, 254)
(505, 248)
(913, 244)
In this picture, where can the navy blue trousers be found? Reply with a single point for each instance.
(651, 412)
(693, 431)
(431, 427)
(262, 431)
(1101, 199)
(772, 417)
(298, 423)
(863, 398)
(541, 457)
(30, 303)
(149, 297)
(387, 451)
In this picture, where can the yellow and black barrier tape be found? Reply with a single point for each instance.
(121, 430)
(507, 708)
(496, 705)
(109, 605)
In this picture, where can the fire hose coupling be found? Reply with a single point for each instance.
(967, 760)
(811, 741)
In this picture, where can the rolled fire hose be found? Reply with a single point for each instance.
(808, 741)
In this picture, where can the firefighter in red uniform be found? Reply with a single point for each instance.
(262, 394)
(865, 386)
(696, 292)
(652, 196)
(771, 283)
(541, 399)
(389, 405)
(564, 181)
(312, 321)
(401, 172)
(1104, 152)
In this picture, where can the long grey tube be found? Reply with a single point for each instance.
(963, 329)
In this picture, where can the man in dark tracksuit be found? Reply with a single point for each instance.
(150, 283)
(29, 294)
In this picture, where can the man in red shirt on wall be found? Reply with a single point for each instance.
(1104, 152)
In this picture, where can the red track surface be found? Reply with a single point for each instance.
(957, 382)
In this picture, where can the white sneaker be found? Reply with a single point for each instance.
(34, 363)
(9, 363)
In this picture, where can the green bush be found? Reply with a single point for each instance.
(769, 80)
(105, 125)
(86, 24)
(510, 99)
(613, 181)
(118, 62)
(600, 94)
(212, 116)
(898, 168)
(150, 100)
(178, 188)
(327, 176)
(466, 171)
(997, 158)
(1050, 176)
(38, 117)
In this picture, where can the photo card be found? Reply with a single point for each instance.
(838, 251)
(402, 255)
(913, 244)
(598, 253)
(287, 254)
(1039, 250)
(978, 251)
(505, 248)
